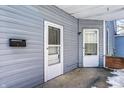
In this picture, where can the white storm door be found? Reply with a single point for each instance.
(53, 50)
(90, 47)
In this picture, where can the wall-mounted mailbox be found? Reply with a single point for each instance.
(17, 42)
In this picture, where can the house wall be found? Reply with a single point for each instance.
(24, 67)
(110, 41)
(94, 24)
(119, 46)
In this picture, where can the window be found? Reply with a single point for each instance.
(120, 26)
(54, 36)
(91, 43)
(54, 45)
(54, 55)
(54, 50)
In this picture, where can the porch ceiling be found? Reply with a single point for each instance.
(95, 12)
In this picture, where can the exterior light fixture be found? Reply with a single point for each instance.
(79, 33)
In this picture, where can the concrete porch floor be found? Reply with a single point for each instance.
(80, 78)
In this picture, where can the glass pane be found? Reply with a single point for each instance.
(90, 48)
(54, 35)
(54, 55)
(91, 37)
(53, 50)
(120, 26)
(91, 43)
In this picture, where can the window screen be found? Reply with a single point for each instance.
(54, 35)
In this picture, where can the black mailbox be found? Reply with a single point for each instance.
(17, 42)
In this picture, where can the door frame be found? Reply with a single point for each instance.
(97, 43)
(46, 24)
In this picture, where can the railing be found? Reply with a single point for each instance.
(114, 62)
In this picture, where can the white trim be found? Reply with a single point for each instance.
(46, 24)
(107, 41)
(97, 44)
(104, 43)
(54, 45)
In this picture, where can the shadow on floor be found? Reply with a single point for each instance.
(80, 78)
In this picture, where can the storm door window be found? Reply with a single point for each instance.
(91, 43)
(53, 45)
(54, 36)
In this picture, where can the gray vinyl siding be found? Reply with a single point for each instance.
(24, 67)
(70, 37)
(95, 24)
(20, 67)
(110, 25)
